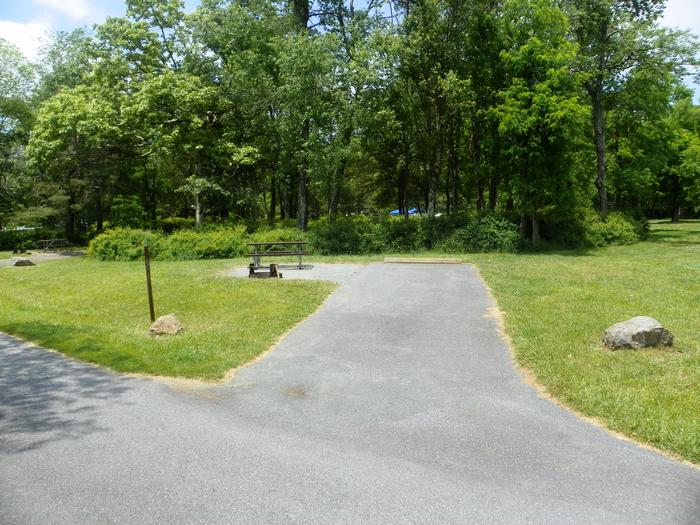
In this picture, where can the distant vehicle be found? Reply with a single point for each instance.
(412, 211)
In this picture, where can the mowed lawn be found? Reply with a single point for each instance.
(98, 311)
(557, 305)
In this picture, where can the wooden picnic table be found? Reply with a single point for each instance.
(51, 244)
(272, 249)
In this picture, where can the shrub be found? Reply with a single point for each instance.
(339, 237)
(278, 234)
(172, 224)
(399, 235)
(124, 244)
(615, 229)
(222, 243)
(485, 234)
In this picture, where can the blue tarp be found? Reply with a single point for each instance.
(412, 211)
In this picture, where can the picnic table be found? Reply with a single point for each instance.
(277, 249)
(51, 244)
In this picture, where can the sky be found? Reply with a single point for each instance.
(26, 22)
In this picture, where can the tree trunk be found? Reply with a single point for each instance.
(300, 9)
(523, 226)
(70, 219)
(302, 195)
(535, 230)
(334, 191)
(493, 191)
(197, 212)
(475, 151)
(598, 111)
(273, 201)
(100, 212)
(402, 188)
(453, 169)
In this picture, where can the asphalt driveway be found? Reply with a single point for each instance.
(396, 402)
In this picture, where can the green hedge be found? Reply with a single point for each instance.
(125, 244)
(364, 235)
(486, 234)
(615, 229)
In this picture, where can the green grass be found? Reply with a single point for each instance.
(557, 305)
(98, 312)
(5, 255)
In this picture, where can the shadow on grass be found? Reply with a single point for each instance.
(45, 397)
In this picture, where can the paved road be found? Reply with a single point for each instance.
(396, 402)
(39, 257)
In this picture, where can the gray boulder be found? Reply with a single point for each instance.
(638, 332)
(22, 261)
(166, 325)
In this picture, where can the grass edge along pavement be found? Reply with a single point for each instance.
(98, 312)
(555, 307)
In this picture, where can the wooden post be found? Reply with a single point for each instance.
(147, 257)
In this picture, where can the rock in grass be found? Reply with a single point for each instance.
(22, 261)
(638, 332)
(166, 325)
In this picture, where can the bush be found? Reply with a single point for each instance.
(615, 229)
(486, 234)
(278, 234)
(172, 224)
(25, 240)
(124, 244)
(339, 237)
(222, 243)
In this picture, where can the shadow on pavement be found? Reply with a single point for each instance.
(45, 397)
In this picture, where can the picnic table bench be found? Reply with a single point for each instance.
(51, 244)
(276, 249)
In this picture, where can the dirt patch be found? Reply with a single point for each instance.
(296, 391)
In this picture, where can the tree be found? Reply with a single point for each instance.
(74, 143)
(617, 38)
(196, 187)
(17, 82)
(539, 110)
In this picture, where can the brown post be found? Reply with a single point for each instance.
(147, 257)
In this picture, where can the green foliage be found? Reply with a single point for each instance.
(124, 244)
(239, 112)
(277, 234)
(221, 243)
(171, 224)
(339, 237)
(127, 212)
(485, 234)
(615, 229)
(362, 235)
(25, 240)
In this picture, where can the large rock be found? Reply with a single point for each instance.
(166, 325)
(22, 261)
(638, 332)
